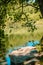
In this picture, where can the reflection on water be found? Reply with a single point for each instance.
(32, 43)
(8, 60)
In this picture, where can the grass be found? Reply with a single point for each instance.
(20, 36)
(16, 40)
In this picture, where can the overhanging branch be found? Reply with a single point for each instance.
(27, 5)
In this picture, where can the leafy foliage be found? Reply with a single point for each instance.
(4, 10)
(2, 26)
(31, 25)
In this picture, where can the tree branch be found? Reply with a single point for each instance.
(27, 5)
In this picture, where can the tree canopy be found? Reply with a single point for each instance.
(6, 6)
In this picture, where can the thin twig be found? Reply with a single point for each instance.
(27, 5)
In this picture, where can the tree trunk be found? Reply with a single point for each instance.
(41, 6)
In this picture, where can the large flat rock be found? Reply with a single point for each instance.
(21, 54)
